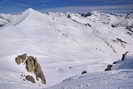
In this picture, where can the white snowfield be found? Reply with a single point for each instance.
(66, 46)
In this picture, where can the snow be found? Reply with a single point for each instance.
(100, 80)
(64, 48)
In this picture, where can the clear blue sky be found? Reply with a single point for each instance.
(19, 5)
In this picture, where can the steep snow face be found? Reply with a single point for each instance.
(64, 46)
(125, 64)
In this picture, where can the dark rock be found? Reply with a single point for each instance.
(115, 62)
(123, 56)
(113, 26)
(30, 78)
(88, 24)
(129, 28)
(68, 16)
(129, 33)
(108, 67)
(1, 25)
(86, 14)
(84, 72)
(120, 40)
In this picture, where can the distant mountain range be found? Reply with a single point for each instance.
(13, 6)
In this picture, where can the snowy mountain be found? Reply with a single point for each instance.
(66, 45)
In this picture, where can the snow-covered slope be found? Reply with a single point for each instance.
(65, 46)
(100, 80)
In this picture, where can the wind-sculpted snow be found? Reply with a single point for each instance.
(64, 45)
(103, 80)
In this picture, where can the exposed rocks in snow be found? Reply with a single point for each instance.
(84, 72)
(86, 14)
(1, 25)
(113, 25)
(129, 15)
(122, 42)
(30, 78)
(123, 58)
(68, 16)
(87, 24)
(27, 77)
(129, 33)
(108, 67)
(129, 28)
(32, 66)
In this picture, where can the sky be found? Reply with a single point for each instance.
(47, 5)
